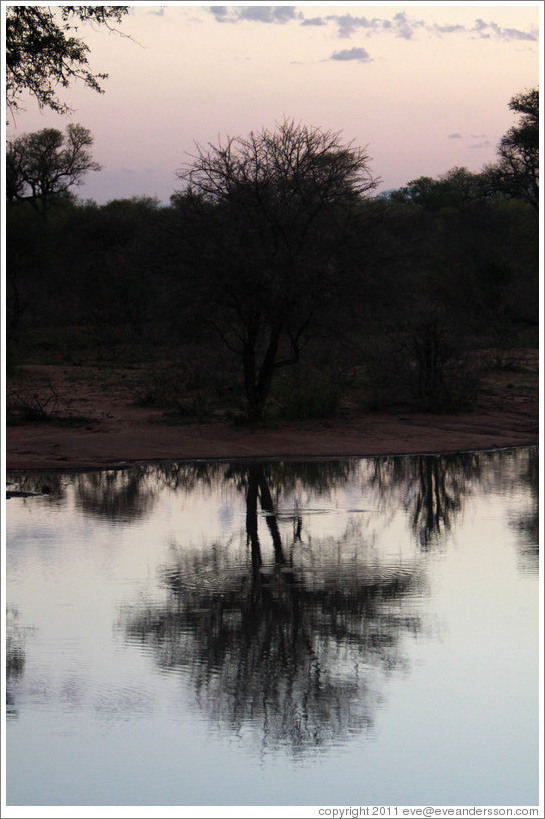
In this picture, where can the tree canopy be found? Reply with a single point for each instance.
(516, 174)
(274, 244)
(458, 188)
(42, 166)
(42, 51)
(270, 211)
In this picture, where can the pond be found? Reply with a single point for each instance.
(351, 632)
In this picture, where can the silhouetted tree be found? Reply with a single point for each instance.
(44, 165)
(270, 211)
(457, 188)
(43, 53)
(516, 174)
(109, 247)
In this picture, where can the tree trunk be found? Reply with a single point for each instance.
(249, 359)
(270, 516)
(251, 518)
(257, 384)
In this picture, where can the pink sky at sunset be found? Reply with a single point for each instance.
(425, 87)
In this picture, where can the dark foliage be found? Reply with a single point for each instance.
(273, 282)
(42, 52)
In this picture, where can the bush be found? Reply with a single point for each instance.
(306, 394)
(45, 405)
(425, 369)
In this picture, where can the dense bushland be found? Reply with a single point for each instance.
(274, 281)
(416, 294)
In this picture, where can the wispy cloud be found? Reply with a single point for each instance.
(313, 21)
(489, 30)
(403, 27)
(256, 14)
(401, 24)
(455, 136)
(452, 29)
(347, 24)
(485, 144)
(359, 54)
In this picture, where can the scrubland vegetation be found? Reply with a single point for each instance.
(277, 284)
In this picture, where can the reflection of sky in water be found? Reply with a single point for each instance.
(393, 629)
(225, 515)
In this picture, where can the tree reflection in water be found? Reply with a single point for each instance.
(289, 646)
(118, 495)
(527, 523)
(15, 658)
(287, 634)
(431, 489)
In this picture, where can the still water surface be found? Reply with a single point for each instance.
(350, 632)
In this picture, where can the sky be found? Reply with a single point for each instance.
(422, 87)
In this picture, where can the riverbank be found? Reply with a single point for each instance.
(102, 427)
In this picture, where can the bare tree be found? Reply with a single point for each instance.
(264, 217)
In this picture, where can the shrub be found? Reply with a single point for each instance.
(306, 394)
(40, 405)
(426, 369)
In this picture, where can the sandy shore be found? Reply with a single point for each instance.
(50, 447)
(119, 432)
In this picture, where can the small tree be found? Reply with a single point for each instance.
(42, 166)
(42, 53)
(264, 216)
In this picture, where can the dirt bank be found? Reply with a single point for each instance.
(117, 431)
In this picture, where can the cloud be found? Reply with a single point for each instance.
(399, 25)
(268, 14)
(359, 54)
(219, 12)
(160, 12)
(314, 21)
(480, 27)
(402, 26)
(487, 30)
(454, 29)
(485, 144)
(347, 24)
(514, 34)
(257, 14)
(455, 136)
